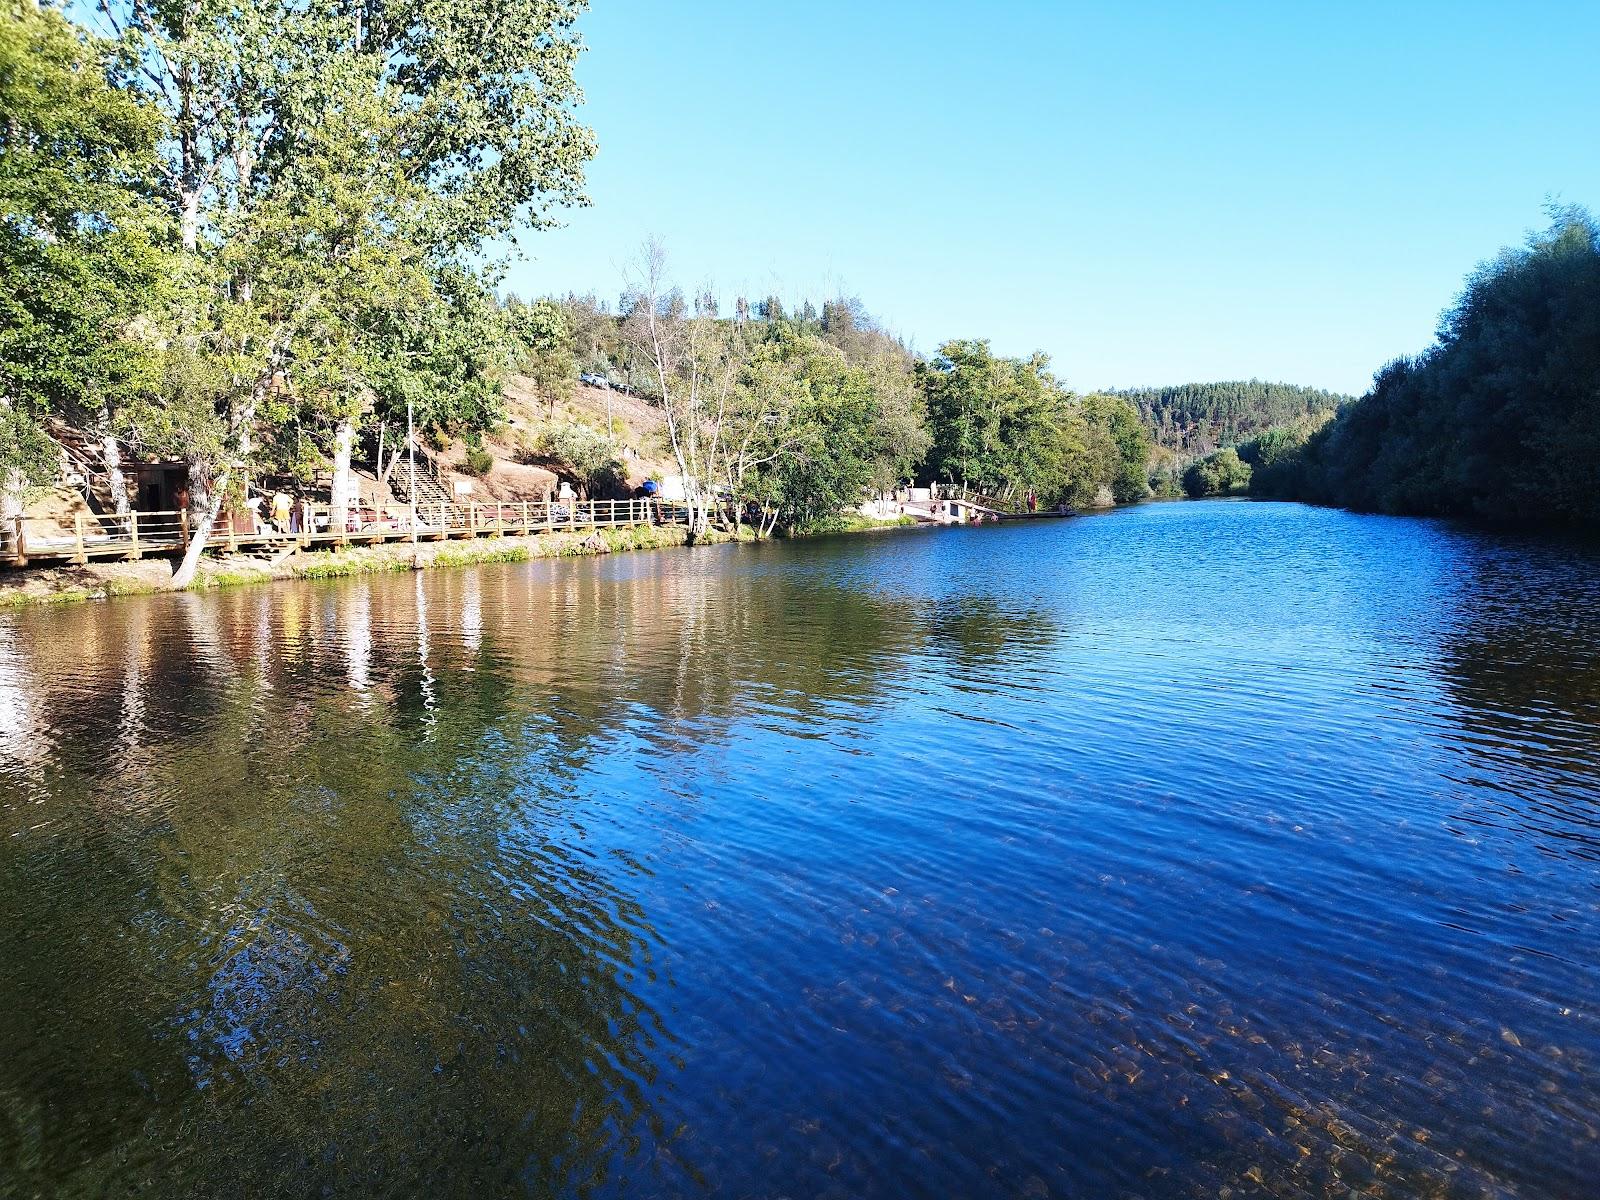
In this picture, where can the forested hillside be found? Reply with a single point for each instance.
(1196, 418)
(1499, 419)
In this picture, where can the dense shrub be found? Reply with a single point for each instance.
(589, 458)
(1221, 474)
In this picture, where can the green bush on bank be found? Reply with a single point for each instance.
(1221, 474)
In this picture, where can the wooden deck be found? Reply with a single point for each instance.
(87, 536)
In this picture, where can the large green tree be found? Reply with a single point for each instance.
(328, 160)
(1000, 426)
(1116, 418)
(81, 263)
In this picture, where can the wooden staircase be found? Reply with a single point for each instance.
(84, 469)
(431, 488)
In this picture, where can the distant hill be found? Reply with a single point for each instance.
(1197, 418)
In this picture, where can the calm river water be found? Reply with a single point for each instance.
(1192, 850)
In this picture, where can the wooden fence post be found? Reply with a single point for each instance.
(133, 533)
(20, 550)
(524, 518)
(183, 527)
(78, 556)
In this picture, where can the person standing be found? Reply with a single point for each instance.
(281, 504)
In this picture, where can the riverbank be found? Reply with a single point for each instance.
(103, 580)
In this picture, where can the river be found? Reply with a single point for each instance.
(1189, 850)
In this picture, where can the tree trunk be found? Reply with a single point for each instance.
(200, 529)
(11, 495)
(343, 480)
(205, 503)
(116, 481)
(189, 218)
(11, 491)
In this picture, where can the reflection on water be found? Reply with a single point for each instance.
(1187, 848)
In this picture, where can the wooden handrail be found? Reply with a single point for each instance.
(80, 538)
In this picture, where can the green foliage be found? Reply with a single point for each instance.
(999, 425)
(1117, 417)
(80, 254)
(589, 458)
(1165, 473)
(544, 333)
(595, 339)
(1196, 418)
(331, 171)
(1500, 419)
(445, 347)
(479, 461)
(1004, 427)
(1274, 456)
(1223, 473)
(827, 449)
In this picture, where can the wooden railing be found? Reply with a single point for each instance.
(84, 536)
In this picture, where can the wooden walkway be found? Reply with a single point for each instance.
(86, 536)
(1041, 515)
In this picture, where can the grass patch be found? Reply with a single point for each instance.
(471, 555)
(850, 522)
(232, 577)
(24, 597)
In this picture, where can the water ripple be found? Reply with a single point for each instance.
(1191, 850)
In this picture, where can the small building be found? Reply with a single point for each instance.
(158, 486)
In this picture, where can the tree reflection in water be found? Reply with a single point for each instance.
(1519, 661)
(311, 901)
(879, 866)
(313, 912)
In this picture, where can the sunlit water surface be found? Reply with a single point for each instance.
(1193, 850)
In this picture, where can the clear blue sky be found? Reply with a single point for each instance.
(1151, 193)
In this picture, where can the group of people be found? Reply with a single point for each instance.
(283, 514)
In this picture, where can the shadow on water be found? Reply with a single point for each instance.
(1518, 656)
